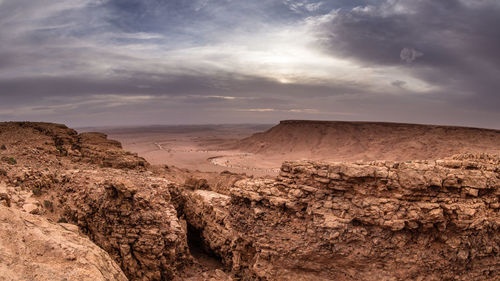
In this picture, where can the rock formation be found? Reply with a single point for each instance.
(378, 220)
(420, 220)
(352, 141)
(32, 248)
(131, 217)
(89, 181)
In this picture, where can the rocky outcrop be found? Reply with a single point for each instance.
(418, 220)
(32, 248)
(127, 213)
(98, 149)
(379, 220)
(130, 217)
(56, 140)
(82, 179)
(414, 220)
(206, 213)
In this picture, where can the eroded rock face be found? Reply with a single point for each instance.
(350, 141)
(98, 149)
(420, 220)
(127, 213)
(87, 180)
(32, 248)
(429, 220)
(132, 219)
(51, 141)
(207, 212)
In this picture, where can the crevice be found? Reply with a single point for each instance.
(200, 250)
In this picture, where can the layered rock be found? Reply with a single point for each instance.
(416, 220)
(130, 217)
(127, 213)
(88, 180)
(429, 220)
(206, 212)
(32, 248)
(53, 141)
(351, 141)
(97, 148)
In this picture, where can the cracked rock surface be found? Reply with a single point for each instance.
(383, 220)
(429, 220)
(87, 180)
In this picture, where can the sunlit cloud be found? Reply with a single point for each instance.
(294, 110)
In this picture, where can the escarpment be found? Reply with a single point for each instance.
(131, 217)
(381, 220)
(351, 141)
(87, 180)
(377, 220)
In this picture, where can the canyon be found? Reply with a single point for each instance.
(83, 202)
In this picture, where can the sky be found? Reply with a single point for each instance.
(138, 62)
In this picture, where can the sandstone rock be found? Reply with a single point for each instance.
(89, 181)
(350, 141)
(31, 208)
(379, 220)
(132, 221)
(5, 197)
(471, 191)
(34, 249)
(206, 211)
(398, 215)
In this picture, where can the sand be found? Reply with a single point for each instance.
(207, 148)
(260, 149)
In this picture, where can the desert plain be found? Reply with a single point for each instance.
(207, 148)
(260, 149)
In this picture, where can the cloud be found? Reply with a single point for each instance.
(258, 109)
(294, 111)
(303, 6)
(84, 61)
(409, 55)
(460, 61)
(398, 83)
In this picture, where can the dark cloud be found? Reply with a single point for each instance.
(409, 55)
(136, 83)
(444, 30)
(186, 18)
(398, 83)
(451, 44)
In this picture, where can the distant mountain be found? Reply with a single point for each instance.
(350, 141)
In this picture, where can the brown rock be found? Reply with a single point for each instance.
(372, 220)
(35, 249)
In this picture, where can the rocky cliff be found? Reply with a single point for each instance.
(415, 220)
(87, 180)
(378, 220)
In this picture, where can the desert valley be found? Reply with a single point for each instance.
(258, 149)
(236, 140)
(406, 202)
